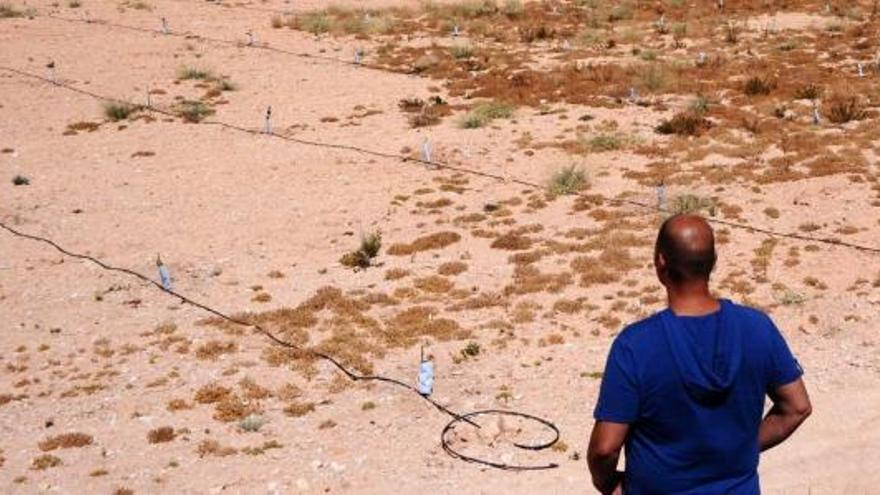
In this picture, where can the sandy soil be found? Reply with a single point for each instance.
(236, 216)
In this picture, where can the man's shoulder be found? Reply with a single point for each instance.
(641, 330)
(752, 315)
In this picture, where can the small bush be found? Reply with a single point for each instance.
(461, 51)
(20, 180)
(808, 92)
(484, 113)
(757, 85)
(45, 461)
(65, 441)
(841, 109)
(566, 181)
(684, 124)
(472, 349)
(363, 256)
(194, 111)
(224, 84)
(9, 11)
(116, 111)
(186, 73)
(252, 423)
(513, 8)
(606, 142)
(315, 23)
(691, 204)
(161, 435)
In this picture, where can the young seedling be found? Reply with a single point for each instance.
(250, 38)
(661, 196)
(358, 56)
(861, 69)
(165, 29)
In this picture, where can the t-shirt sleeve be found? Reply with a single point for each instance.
(783, 367)
(619, 395)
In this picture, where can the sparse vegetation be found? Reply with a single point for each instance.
(567, 180)
(684, 124)
(187, 72)
(194, 111)
(161, 435)
(484, 113)
(843, 108)
(363, 256)
(20, 180)
(116, 111)
(757, 85)
(66, 441)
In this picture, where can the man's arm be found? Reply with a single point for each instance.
(605, 443)
(791, 406)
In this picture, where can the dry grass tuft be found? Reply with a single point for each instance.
(45, 461)
(213, 448)
(66, 441)
(408, 326)
(684, 124)
(433, 284)
(178, 405)
(233, 408)
(452, 268)
(299, 409)
(161, 435)
(211, 393)
(512, 242)
(438, 240)
(211, 350)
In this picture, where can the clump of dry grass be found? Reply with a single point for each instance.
(65, 441)
(437, 240)
(843, 107)
(161, 435)
(298, 409)
(434, 284)
(211, 393)
(687, 123)
(233, 408)
(512, 241)
(363, 256)
(452, 268)
(566, 181)
(212, 349)
(213, 448)
(253, 390)
(757, 85)
(178, 405)
(45, 461)
(396, 273)
(407, 326)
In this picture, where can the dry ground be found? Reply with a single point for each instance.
(108, 385)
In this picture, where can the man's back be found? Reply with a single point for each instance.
(692, 390)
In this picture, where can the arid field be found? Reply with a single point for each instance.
(480, 182)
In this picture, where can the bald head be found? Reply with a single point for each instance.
(685, 250)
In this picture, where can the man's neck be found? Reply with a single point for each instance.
(692, 299)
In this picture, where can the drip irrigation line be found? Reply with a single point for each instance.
(227, 42)
(440, 165)
(354, 376)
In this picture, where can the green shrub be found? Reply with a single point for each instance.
(363, 256)
(484, 113)
(757, 85)
(186, 73)
(315, 23)
(116, 111)
(194, 111)
(566, 181)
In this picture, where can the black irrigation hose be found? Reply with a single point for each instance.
(456, 418)
(438, 165)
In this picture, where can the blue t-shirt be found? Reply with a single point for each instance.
(692, 390)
